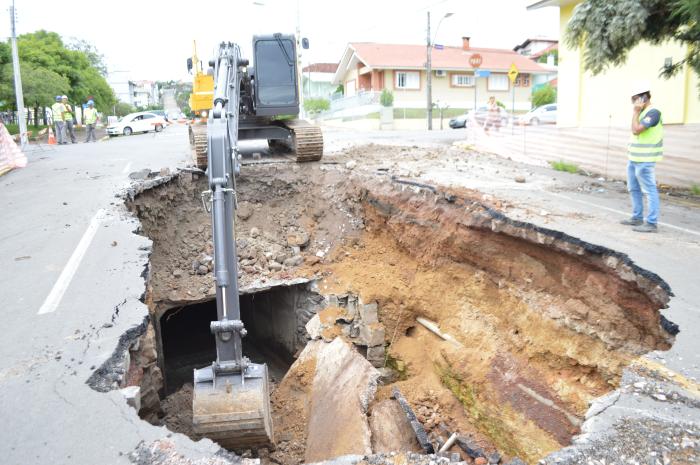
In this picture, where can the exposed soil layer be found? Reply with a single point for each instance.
(541, 323)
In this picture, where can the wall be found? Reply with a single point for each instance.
(279, 315)
(587, 100)
(456, 97)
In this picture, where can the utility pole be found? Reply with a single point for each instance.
(429, 81)
(18, 81)
(300, 72)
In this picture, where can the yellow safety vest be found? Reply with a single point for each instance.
(57, 110)
(648, 146)
(90, 115)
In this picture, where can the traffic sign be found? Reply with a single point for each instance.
(513, 73)
(475, 60)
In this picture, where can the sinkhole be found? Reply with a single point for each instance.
(529, 324)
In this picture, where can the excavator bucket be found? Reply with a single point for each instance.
(233, 409)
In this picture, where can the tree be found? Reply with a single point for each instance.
(96, 59)
(40, 87)
(44, 54)
(121, 108)
(544, 95)
(607, 30)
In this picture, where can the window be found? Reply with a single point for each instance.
(498, 82)
(148, 116)
(526, 80)
(462, 80)
(407, 80)
(523, 80)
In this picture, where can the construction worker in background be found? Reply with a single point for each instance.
(90, 118)
(57, 110)
(644, 150)
(68, 118)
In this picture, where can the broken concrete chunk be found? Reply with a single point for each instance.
(132, 394)
(314, 327)
(376, 356)
(294, 261)
(298, 239)
(344, 384)
(391, 430)
(368, 313)
(372, 335)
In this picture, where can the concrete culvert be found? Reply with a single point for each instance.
(355, 286)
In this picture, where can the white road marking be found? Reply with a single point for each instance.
(56, 294)
(126, 168)
(591, 204)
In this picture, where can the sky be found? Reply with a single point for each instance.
(152, 39)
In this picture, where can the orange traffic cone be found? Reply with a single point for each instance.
(52, 138)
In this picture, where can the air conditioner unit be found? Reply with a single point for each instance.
(440, 73)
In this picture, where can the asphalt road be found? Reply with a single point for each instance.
(71, 280)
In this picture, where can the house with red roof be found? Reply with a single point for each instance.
(457, 81)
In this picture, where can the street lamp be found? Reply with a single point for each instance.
(430, 68)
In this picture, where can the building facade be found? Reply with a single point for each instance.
(604, 100)
(372, 67)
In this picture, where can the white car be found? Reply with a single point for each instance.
(142, 121)
(545, 114)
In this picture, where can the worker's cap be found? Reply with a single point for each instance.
(640, 87)
(65, 97)
(58, 98)
(90, 102)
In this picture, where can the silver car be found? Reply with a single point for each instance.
(545, 114)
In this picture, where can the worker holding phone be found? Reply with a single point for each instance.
(645, 149)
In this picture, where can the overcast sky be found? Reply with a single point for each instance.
(152, 39)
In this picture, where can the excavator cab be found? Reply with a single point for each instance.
(275, 83)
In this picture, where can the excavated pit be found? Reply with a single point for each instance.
(539, 323)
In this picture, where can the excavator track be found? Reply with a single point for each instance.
(198, 144)
(307, 140)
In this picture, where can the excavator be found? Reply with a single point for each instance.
(231, 400)
(200, 103)
(265, 112)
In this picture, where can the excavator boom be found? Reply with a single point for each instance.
(231, 401)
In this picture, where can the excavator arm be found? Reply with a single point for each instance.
(231, 399)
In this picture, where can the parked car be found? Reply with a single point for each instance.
(545, 114)
(479, 116)
(142, 121)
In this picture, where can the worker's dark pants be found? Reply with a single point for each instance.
(69, 131)
(91, 133)
(60, 131)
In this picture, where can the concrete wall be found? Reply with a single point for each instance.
(279, 315)
(587, 100)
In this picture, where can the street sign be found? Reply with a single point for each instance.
(513, 73)
(482, 73)
(475, 60)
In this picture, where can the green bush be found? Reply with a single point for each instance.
(695, 189)
(564, 166)
(386, 99)
(122, 109)
(544, 95)
(316, 105)
(13, 129)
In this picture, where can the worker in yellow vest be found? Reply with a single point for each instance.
(57, 110)
(645, 149)
(68, 118)
(90, 117)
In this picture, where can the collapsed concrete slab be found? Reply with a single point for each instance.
(391, 430)
(344, 384)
